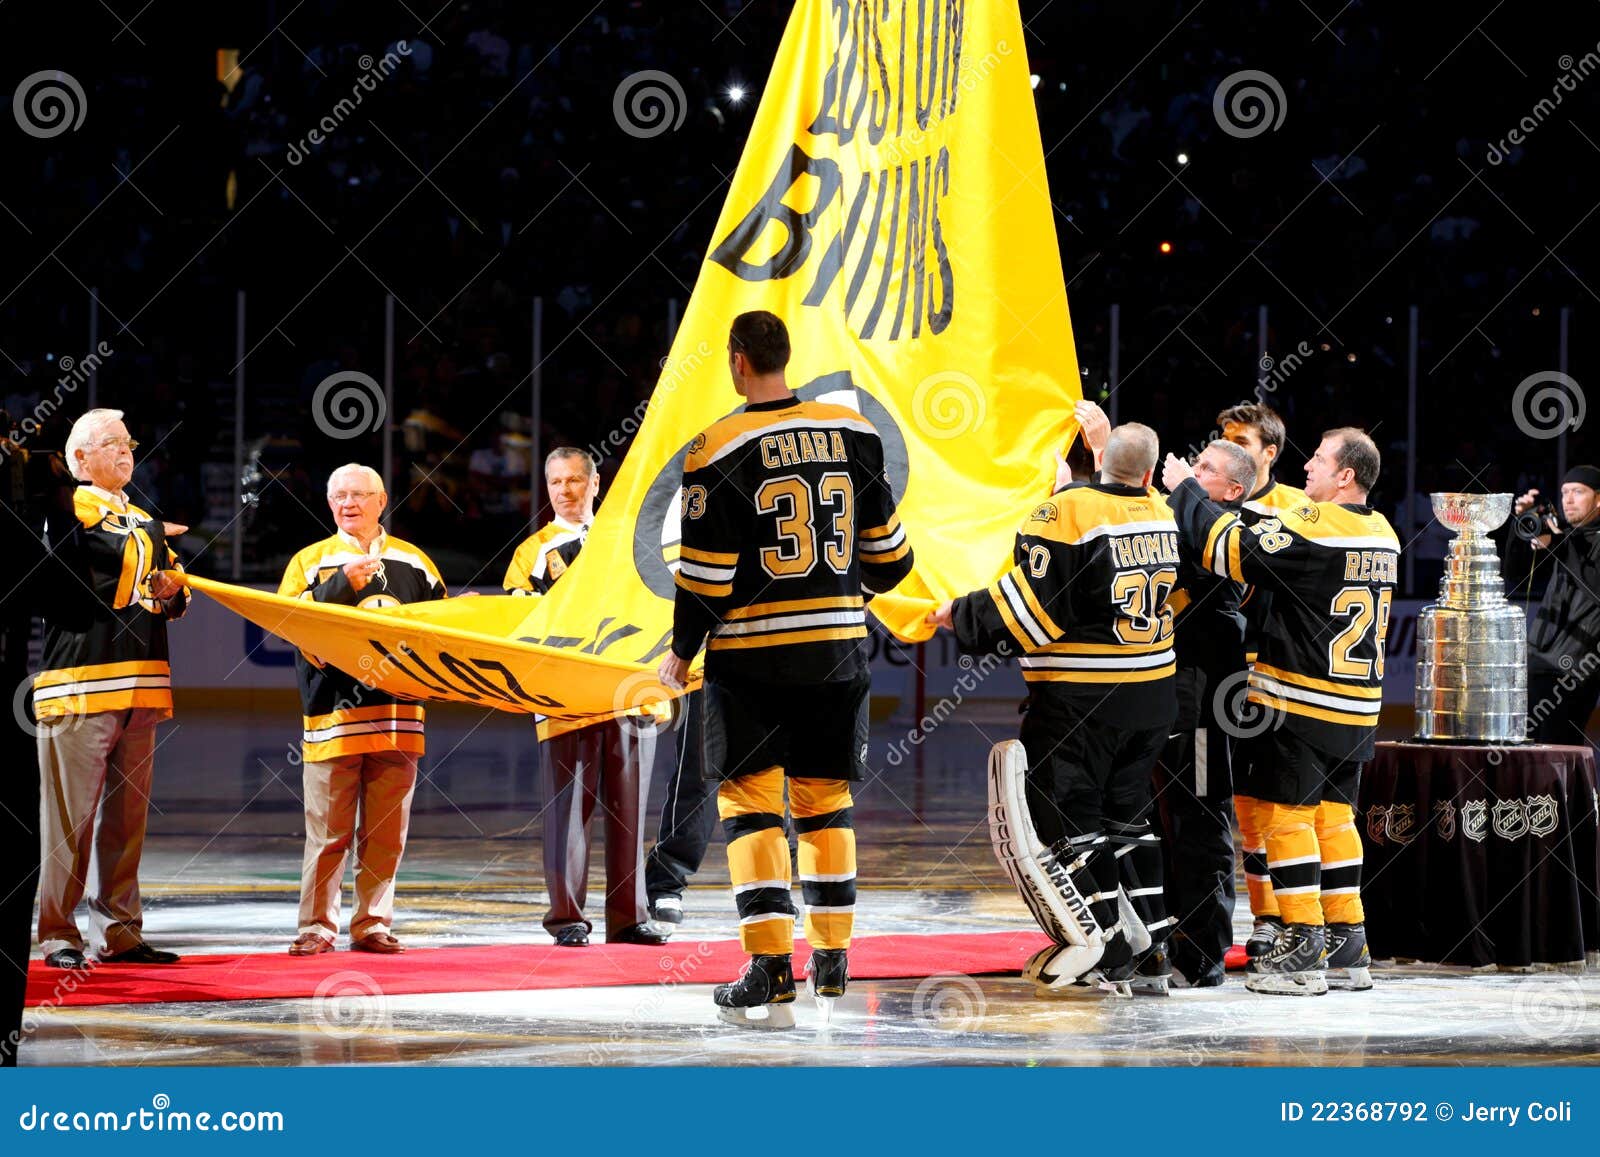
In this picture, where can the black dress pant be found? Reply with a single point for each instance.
(1194, 793)
(689, 815)
(605, 765)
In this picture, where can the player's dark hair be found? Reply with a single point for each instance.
(1261, 416)
(1357, 452)
(762, 338)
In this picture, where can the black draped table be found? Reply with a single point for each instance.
(1481, 855)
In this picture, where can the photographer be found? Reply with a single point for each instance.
(1564, 640)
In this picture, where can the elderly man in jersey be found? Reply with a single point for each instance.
(606, 763)
(104, 686)
(1332, 565)
(360, 745)
(1085, 606)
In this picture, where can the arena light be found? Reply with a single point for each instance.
(735, 94)
(1183, 158)
(1033, 80)
(1165, 247)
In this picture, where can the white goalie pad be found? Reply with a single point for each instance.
(1045, 884)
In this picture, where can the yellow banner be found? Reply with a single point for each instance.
(891, 207)
(461, 650)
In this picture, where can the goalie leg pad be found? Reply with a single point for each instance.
(1056, 883)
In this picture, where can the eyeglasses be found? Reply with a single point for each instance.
(351, 495)
(129, 444)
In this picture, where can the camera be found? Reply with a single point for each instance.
(1533, 522)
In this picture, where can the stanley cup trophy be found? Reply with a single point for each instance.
(1472, 675)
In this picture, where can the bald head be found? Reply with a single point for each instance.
(1130, 455)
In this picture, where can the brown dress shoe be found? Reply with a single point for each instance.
(310, 944)
(380, 942)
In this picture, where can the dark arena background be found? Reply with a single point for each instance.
(202, 224)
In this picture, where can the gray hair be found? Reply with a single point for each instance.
(357, 468)
(589, 467)
(1237, 465)
(85, 432)
(1130, 454)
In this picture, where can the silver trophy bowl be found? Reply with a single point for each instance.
(1472, 675)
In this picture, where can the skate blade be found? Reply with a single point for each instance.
(1351, 979)
(1152, 985)
(762, 1016)
(1287, 983)
(825, 1007)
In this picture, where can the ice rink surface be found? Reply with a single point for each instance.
(221, 871)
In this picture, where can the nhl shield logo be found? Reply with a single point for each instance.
(1402, 824)
(1444, 820)
(1510, 819)
(1377, 822)
(1543, 815)
(1474, 819)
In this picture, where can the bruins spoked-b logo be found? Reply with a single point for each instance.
(1046, 512)
(1474, 820)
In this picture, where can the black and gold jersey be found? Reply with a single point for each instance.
(1208, 624)
(345, 715)
(105, 639)
(1332, 571)
(1271, 500)
(543, 557)
(1085, 602)
(788, 523)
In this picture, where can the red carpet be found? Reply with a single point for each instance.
(500, 968)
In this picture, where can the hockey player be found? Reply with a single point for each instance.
(1259, 429)
(1085, 605)
(1333, 564)
(788, 523)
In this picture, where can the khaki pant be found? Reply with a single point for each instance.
(376, 788)
(94, 776)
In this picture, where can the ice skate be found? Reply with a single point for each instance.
(762, 998)
(1114, 974)
(1349, 962)
(1268, 931)
(1152, 976)
(827, 976)
(1297, 966)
